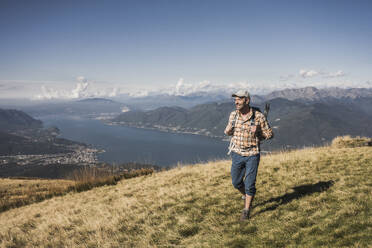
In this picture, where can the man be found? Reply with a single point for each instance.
(247, 126)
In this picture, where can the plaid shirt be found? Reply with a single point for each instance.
(246, 142)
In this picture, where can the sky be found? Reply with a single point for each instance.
(73, 49)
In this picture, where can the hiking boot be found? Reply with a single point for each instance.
(245, 215)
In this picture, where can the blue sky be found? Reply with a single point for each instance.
(152, 44)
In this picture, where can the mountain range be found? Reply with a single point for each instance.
(299, 117)
(188, 100)
(314, 94)
(22, 134)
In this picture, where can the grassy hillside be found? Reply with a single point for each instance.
(305, 198)
(19, 192)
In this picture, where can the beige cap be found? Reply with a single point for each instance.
(241, 93)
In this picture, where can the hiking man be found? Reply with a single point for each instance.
(247, 126)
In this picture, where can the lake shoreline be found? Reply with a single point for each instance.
(146, 145)
(167, 129)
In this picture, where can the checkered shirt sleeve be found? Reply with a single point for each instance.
(265, 132)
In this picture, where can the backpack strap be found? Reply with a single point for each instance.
(252, 120)
(232, 145)
(235, 118)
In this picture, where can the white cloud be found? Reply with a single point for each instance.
(114, 92)
(338, 73)
(179, 86)
(18, 89)
(308, 73)
(79, 91)
(312, 73)
(81, 79)
(52, 93)
(82, 89)
(142, 93)
(206, 87)
(48, 93)
(183, 89)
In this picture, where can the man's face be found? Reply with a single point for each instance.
(241, 102)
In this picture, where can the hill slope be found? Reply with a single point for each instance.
(11, 120)
(306, 198)
(22, 134)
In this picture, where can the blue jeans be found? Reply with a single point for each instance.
(244, 172)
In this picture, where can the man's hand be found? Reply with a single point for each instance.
(229, 130)
(253, 130)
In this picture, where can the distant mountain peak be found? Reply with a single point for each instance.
(314, 94)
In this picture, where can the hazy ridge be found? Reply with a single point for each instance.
(295, 123)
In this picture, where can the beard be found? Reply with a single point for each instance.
(244, 107)
(239, 106)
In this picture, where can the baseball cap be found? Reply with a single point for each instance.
(241, 93)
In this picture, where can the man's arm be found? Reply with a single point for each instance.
(229, 130)
(266, 131)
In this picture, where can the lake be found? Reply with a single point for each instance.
(127, 144)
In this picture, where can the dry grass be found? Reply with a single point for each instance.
(89, 177)
(348, 141)
(318, 197)
(19, 192)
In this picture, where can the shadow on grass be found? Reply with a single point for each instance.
(299, 191)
